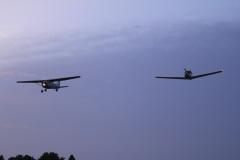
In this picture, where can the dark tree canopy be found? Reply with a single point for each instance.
(44, 156)
(21, 157)
(71, 157)
(50, 156)
(27, 157)
(1, 157)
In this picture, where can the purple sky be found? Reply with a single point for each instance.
(118, 110)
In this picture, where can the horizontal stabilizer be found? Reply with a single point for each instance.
(63, 86)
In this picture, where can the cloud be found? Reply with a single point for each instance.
(150, 40)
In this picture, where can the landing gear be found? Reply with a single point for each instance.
(56, 90)
(45, 90)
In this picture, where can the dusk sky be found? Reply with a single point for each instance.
(118, 110)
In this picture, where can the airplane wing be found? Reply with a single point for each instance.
(207, 74)
(62, 79)
(34, 81)
(49, 80)
(183, 78)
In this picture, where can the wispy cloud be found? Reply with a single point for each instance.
(75, 45)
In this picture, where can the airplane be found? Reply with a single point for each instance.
(50, 83)
(189, 75)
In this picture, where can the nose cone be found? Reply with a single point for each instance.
(44, 84)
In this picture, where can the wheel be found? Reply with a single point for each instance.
(56, 90)
(41, 91)
(45, 90)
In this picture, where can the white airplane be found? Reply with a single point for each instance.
(189, 75)
(50, 83)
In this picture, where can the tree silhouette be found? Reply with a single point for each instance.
(1, 157)
(44, 156)
(50, 156)
(27, 157)
(71, 157)
(21, 157)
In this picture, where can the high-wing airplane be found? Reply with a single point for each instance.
(50, 83)
(189, 75)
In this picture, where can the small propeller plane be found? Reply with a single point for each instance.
(189, 75)
(50, 83)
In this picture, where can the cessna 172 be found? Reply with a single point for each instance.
(189, 75)
(50, 83)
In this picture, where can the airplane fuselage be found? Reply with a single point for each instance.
(51, 85)
(188, 75)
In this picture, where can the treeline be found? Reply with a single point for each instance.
(44, 156)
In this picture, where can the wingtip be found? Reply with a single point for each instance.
(77, 76)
